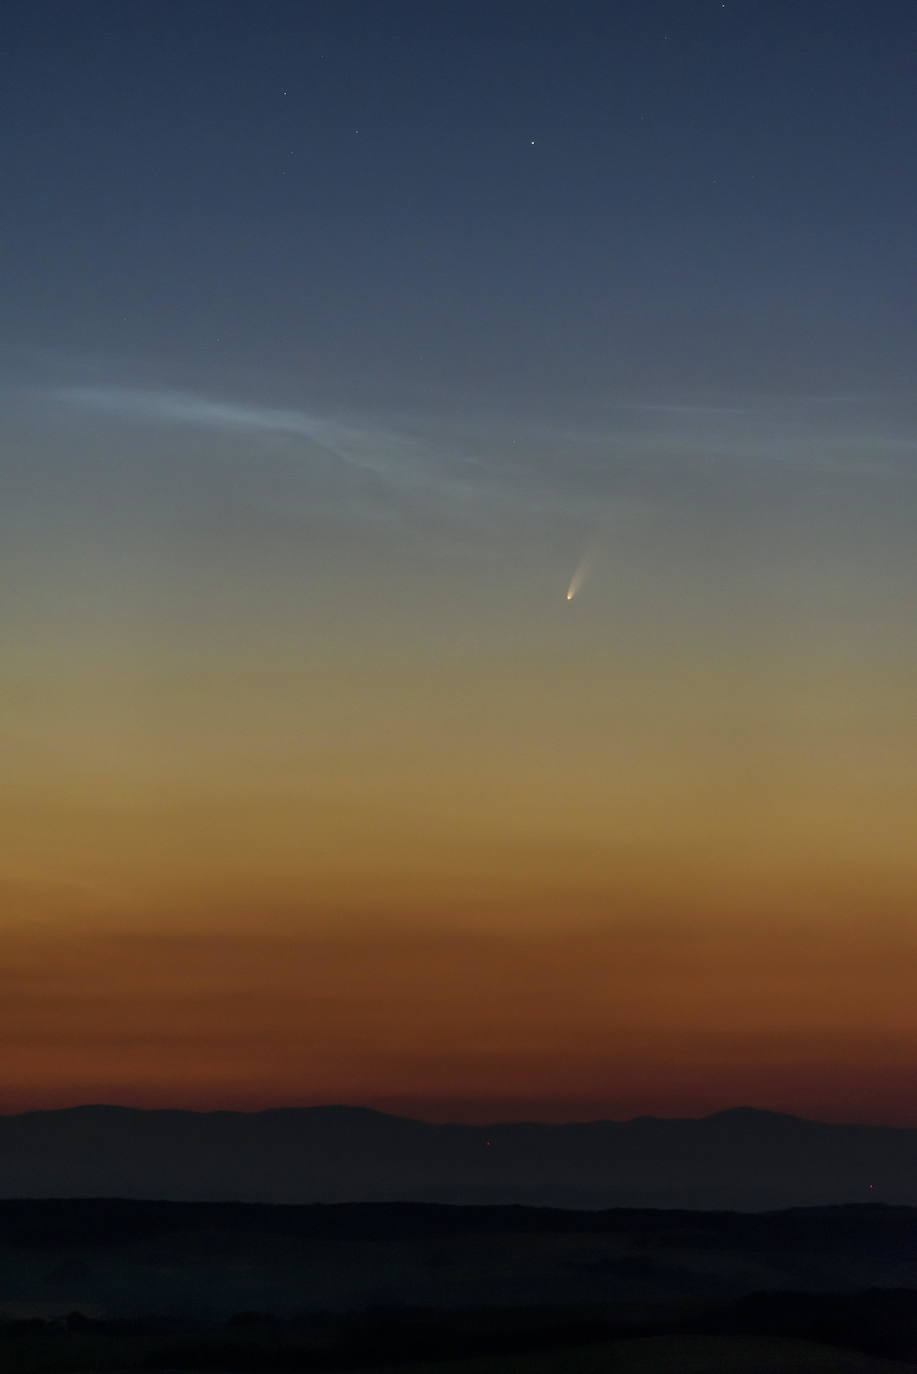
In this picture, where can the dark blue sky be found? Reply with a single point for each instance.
(424, 199)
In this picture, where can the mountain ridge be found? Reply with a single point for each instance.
(740, 1159)
(357, 1109)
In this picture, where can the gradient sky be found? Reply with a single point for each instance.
(339, 340)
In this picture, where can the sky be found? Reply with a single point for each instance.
(458, 479)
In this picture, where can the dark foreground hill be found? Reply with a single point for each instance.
(127, 1285)
(124, 1258)
(739, 1159)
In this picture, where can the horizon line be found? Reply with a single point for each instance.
(489, 1124)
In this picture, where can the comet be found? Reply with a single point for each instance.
(580, 575)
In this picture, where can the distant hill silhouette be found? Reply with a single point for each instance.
(742, 1159)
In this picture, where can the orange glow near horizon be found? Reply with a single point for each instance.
(458, 575)
(636, 861)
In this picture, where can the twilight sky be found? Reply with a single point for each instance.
(340, 341)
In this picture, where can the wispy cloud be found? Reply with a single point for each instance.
(359, 448)
(683, 409)
(427, 481)
(519, 464)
